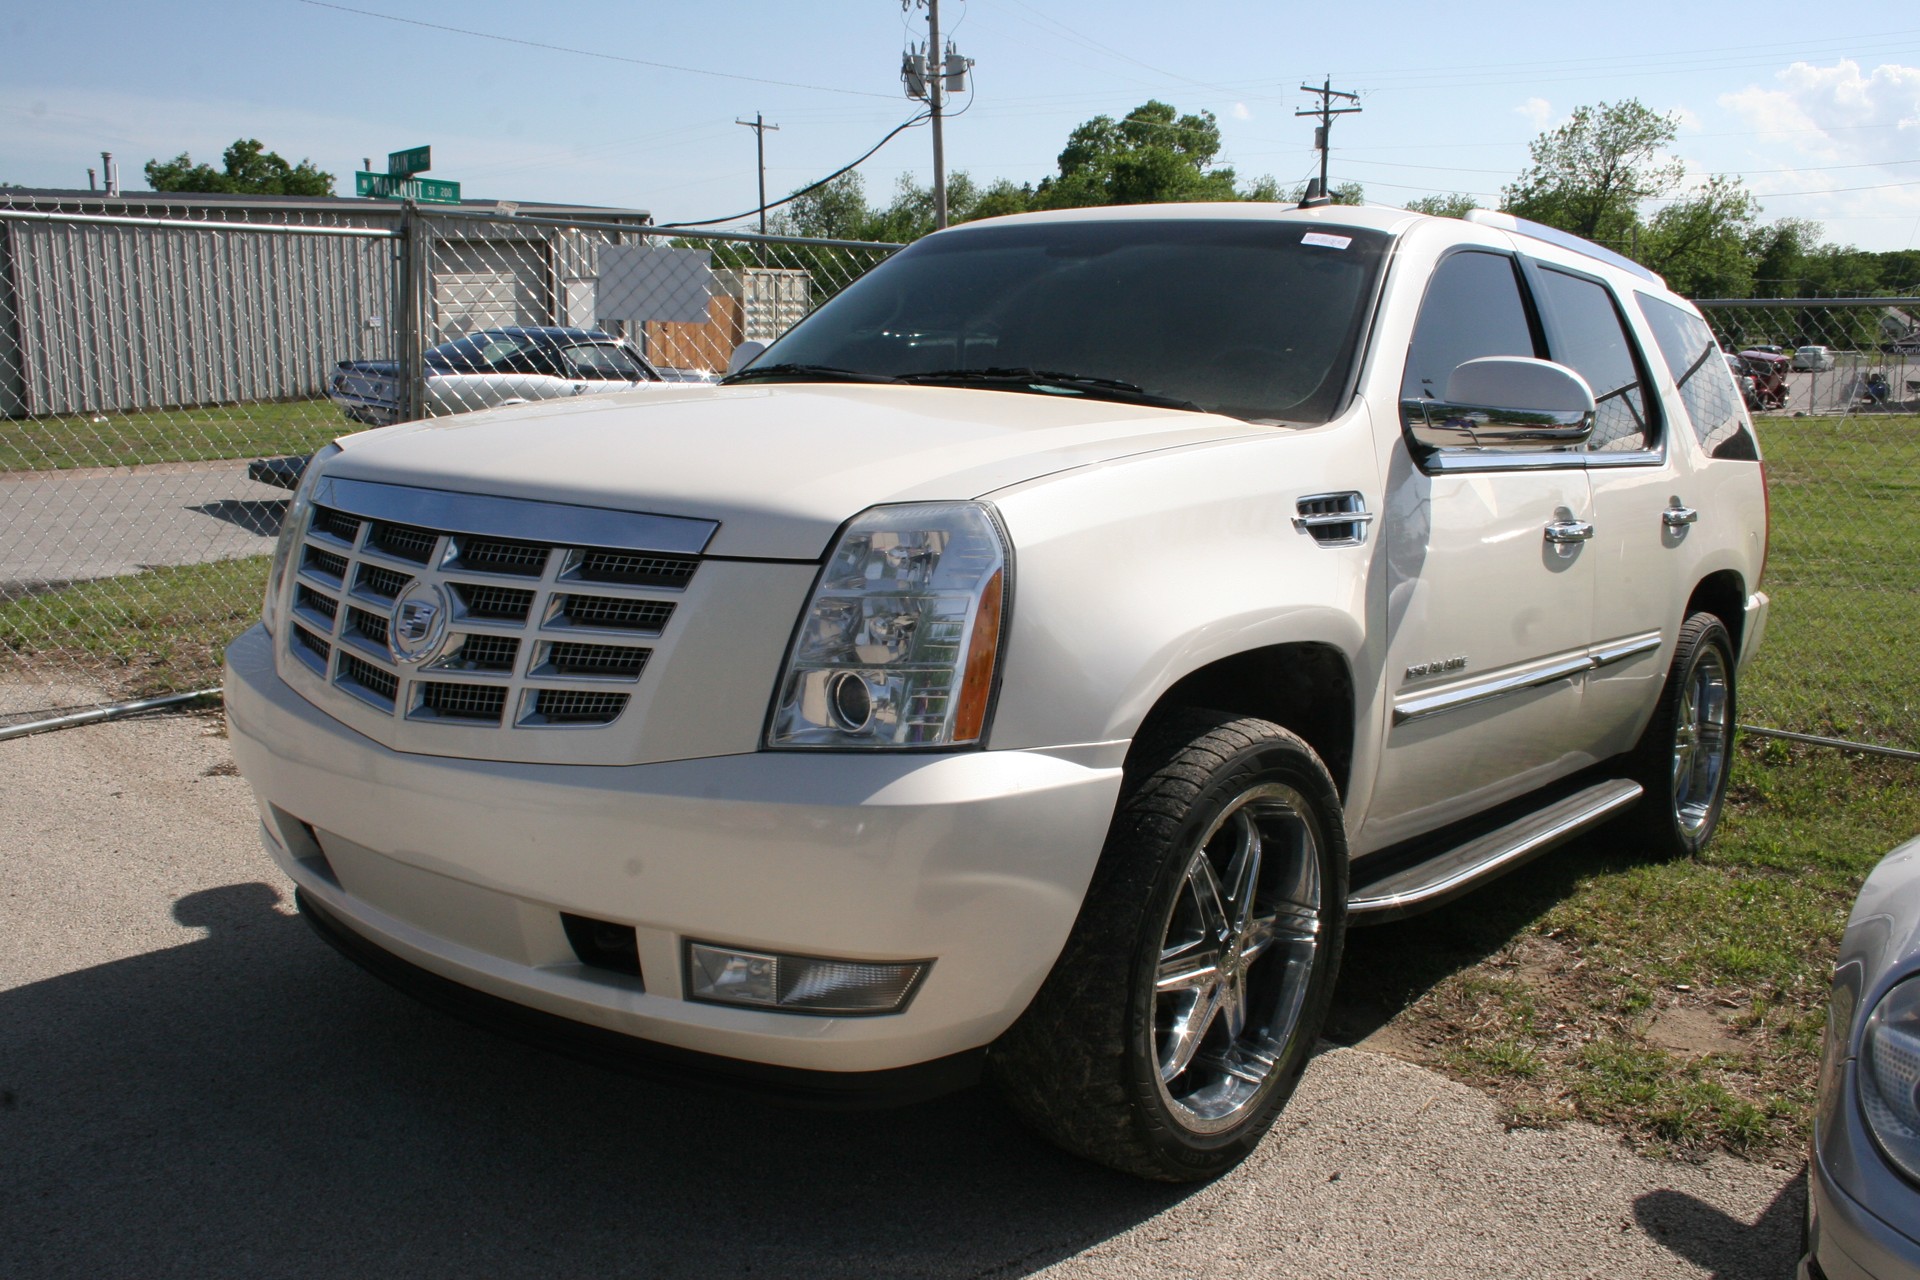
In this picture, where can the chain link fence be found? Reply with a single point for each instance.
(1834, 385)
(165, 369)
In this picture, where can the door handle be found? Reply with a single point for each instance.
(1567, 533)
(1679, 517)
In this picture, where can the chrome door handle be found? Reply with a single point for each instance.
(1678, 517)
(1566, 533)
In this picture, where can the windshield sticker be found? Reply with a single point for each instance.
(1326, 241)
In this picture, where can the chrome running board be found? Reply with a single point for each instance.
(1452, 872)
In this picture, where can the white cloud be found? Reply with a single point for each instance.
(1240, 111)
(1835, 131)
(1837, 111)
(1537, 110)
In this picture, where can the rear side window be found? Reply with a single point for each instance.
(1473, 308)
(1705, 382)
(1589, 335)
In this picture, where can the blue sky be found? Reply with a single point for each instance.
(1816, 106)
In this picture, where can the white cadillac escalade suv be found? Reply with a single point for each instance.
(1033, 662)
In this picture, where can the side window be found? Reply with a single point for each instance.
(603, 363)
(1701, 373)
(1590, 337)
(1473, 308)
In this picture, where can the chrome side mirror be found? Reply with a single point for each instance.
(1504, 402)
(743, 355)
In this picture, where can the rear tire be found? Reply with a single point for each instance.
(1686, 755)
(1194, 985)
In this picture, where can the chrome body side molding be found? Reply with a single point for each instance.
(1465, 693)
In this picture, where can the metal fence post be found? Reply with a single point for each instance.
(415, 233)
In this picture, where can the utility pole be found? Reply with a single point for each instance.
(760, 126)
(926, 75)
(1321, 133)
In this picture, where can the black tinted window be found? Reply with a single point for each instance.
(1256, 319)
(603, 362)
(1699, 370)
(1472, 309)
(1590, 337)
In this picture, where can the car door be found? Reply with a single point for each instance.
(1639, 503)
(1487, 619)
(602, 366)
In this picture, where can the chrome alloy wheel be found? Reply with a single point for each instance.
(1236, 957)
(1701, 735)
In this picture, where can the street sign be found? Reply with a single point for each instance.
(385, 186)
(404, 164)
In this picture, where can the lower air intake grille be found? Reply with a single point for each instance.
(572, 706)
(464, 701)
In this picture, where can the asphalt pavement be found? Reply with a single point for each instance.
(192, 1084)
(67, 526)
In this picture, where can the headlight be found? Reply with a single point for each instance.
(897, 647)
(1889, 1075)
(292, 525)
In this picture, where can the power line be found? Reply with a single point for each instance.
(764, 205)
(588, 53)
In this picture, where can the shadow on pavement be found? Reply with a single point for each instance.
(1716, 1242)
(251, 1104)
(257, 516)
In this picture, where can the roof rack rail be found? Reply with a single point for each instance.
(1565, 239)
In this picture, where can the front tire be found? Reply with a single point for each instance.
(1686, 755)
(1190, 994)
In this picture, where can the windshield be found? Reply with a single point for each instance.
(1258, 320)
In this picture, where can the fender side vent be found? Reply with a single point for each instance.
(1333, 519)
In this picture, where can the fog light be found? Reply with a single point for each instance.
(800, 984)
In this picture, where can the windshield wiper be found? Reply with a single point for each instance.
(809, 372)
(1045, 380)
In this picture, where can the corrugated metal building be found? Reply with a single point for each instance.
(100, 315)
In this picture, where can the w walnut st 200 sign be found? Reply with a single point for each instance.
(386, 186)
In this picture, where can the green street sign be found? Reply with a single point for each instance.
(385, 186)
(404, 164)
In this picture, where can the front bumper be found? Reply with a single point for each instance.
(1846, 1238)
(461, 868)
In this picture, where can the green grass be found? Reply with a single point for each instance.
(169, 435)
(1843, 577)
(161, 631)
(1681, 1002)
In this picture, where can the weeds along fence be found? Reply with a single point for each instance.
(164, 367)
(155, 361)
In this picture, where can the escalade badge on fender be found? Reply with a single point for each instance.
(419, 630)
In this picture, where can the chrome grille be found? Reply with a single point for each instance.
(481, 653)
(404, 541)
(495, 602)
(607, 611)
(574, 706)
(464, 701)
(495, 555)
(383, 582)
(623, 566)
(568, 658)
(384, 684)
(518, 642)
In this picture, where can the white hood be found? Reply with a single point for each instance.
(780, 467)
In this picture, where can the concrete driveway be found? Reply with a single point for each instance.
(191, 1084)
(65, 526)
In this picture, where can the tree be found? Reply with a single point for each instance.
(1453, 206)
(1699, 243)
(1149, 156)
(1590, 175)
(250, 169)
